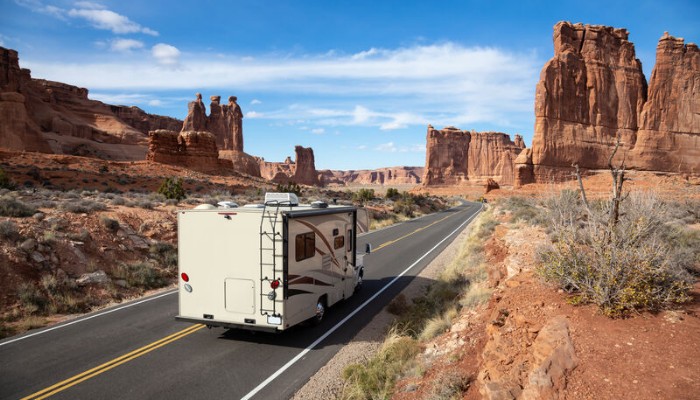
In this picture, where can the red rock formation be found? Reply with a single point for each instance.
(593, 91)
(242, 162)
(53, 117)
(194, 150)
(305, 171)
(225, 122)
(456, 157)
(302, 171)
(669, 135)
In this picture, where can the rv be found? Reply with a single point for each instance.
(269, 266)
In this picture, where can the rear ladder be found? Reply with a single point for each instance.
(269, 273)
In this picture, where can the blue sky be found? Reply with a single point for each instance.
(358, 81)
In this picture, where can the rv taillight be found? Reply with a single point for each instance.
(185, 277)
(275, 284)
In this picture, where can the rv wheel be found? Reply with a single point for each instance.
(320, 310)
(358, 285)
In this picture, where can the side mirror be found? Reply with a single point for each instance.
(368, 248)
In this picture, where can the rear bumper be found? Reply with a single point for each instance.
(228, 325)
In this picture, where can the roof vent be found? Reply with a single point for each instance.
(227, 204)
(286, 199)
(319, 204)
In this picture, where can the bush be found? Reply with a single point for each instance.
(376, 378)
(11, 207)
(392, 193)
(363, 195)
(83, 206)
(621, 267)
(5, 181)
(33, 300)
(291, 187)
(165, 254)
(142, 275)
(8, 230)
(172, 189)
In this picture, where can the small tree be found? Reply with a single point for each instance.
(363, 195)
(392, 193)
(172, 189)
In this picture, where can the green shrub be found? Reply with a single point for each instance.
(375, 379)
(363, 195)
(5, 181)
(171, 188)
(11, 207)
(621, 267)
(84, 206)
(141, 275)
(290, 187)
(8, 230)
(165, 253)
(392, 193)
(33, 300)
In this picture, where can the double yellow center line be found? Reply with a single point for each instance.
(63, 385)
(385, 244)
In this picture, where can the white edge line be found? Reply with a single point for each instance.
(352, 314)
(99, 314)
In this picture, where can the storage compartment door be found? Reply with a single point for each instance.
(240, 296)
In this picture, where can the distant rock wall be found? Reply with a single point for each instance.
(593, 90)
(301, 171)
(380, 176)
(455, 157)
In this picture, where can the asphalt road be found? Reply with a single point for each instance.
(139, 351)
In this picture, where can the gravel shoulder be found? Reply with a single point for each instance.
(328, 381)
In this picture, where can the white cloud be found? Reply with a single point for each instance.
(255, 101)
(109, 20)
(318, 131)
(126, 45)
(155, 103)
(254, 114)
(387, 147)
(96, 14)
(166, 54)
(391, 89)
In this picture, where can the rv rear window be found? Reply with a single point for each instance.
(339, 242)
(305, 246)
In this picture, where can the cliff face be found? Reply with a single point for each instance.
(593, 90)
(456, 157)
(301, 171)
(53, 117)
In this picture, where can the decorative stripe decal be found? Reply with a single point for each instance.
(324, 240)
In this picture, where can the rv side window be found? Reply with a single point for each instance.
(305, 246)
(339, 242)
(349, 241)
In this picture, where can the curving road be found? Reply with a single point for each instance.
(139, 351)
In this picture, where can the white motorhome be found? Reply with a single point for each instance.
(267, 267)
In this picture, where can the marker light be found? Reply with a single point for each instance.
(275, 284)
(185, 277)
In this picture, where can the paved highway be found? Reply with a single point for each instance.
(138, 350)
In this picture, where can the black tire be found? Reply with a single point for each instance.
(321, 307)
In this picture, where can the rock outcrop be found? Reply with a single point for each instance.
(593, 91)
(225, 122)
(455, 157)
(381, 176)
(194, 150)
(242, 162)
(301, 171)
(53, 117)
